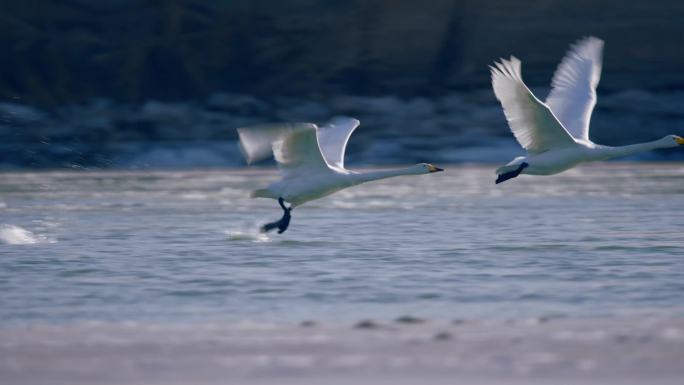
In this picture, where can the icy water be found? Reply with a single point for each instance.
(182, 246)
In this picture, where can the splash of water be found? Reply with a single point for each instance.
(247, 234)
(15, 235)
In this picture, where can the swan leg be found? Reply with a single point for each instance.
(282, 223)
(511, 174)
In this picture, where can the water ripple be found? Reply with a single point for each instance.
(600, 240)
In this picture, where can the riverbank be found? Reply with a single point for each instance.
(407, 350)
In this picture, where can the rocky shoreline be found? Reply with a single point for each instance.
(457, 127)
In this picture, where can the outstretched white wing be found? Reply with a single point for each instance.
(256, 142)
(333, 138)
(573, 96)
(294, 146)
(531, 121)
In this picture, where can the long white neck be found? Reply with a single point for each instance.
(383, 174)
(614, 152)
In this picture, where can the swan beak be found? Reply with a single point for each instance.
(432, 168)
(679, 140)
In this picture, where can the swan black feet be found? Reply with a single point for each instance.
(511, 174)
(281, 224)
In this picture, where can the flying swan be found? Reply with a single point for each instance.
(556, 133)
(311, 162)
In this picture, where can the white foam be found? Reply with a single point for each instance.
(194, 196)
(15, 235)
(253, 235)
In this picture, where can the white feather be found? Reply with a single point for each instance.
(256, 142)
(541, 128)
(531, 121)
(311, 159)
(333, 138)
(298, 152)
(573, 96)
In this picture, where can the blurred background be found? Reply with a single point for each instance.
(149, 84)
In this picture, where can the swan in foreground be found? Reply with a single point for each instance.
(556, 133)
(311, 162)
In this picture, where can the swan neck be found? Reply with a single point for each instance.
(614, 152)
(383, 174)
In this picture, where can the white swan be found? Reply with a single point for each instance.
(311, 162)
(556, 133)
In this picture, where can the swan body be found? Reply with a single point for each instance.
(300, 190)
(556, 133)
(311, 161)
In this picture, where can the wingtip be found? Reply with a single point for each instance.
(343, 119)
(591, 39)
(587, 46)
(508, 68)
(245, 154)
(351, 119)
(493, 70)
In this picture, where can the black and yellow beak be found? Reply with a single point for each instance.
(679, 140)
(432, 168)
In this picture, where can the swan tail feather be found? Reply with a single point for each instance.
(511, 166)
(511, 174)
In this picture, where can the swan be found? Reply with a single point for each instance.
(556, 133)
(311, 162)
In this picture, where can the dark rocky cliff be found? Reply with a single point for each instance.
(137, 83)
(57, 52)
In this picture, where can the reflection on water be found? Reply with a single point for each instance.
(603, 240)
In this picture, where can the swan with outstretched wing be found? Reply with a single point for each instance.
(311, 162)
(556, 133)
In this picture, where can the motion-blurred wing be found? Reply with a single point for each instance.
(333, 138)
(294, 146)
(573, 96)
(531, 121)
(299, 151)
(256, 142)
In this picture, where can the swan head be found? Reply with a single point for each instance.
(673, 141)
(427, 168)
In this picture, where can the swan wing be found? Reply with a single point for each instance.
(293, 145)
(333, 138)
(573, 94)
(531, 121)
(256, 142)
(298, 152)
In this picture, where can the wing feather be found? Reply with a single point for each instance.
(573, 94)
(294, 146)
(333, 138)
(531, 121)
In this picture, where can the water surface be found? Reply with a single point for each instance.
(604, 240)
